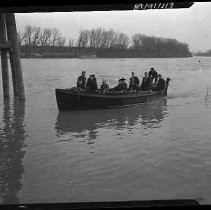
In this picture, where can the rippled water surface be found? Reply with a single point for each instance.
(160, 150)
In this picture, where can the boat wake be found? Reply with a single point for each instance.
(183, 95)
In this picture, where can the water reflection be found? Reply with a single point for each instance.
(79, 123)
(12, 136)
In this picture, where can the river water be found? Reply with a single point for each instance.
(160, 150)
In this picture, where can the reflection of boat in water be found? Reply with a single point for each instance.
(12, 136)
(90, 120)
(71, 99)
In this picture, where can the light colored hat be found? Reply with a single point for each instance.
(122, 79)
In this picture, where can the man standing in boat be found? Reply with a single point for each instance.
(91, 84)
(81, 82)
(134, 82)
(146, 84)
(153, 74)
(122, 86)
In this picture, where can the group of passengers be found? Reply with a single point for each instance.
(151, 81)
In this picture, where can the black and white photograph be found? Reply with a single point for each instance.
(106, 106)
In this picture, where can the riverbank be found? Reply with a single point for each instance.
(75, 52)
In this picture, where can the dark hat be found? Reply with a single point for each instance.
(159, 75)
(122, 79)
(83, 72)
(152, 69)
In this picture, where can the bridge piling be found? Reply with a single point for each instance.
(4, 61)
(9, 35)
(15, 58)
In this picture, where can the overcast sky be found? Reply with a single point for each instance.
(192, 25)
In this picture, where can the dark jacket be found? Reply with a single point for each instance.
(91, 85)
(134, 83)
(153, 75)
(161, 84)
(81, 80)
(146, 84)
(120, 87)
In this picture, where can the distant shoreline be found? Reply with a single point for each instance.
(103, 57)
(94, 53)
(203, 55)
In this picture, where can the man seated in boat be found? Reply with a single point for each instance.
(134, 82)
(81, 82)
(146, 84)
(91, 84)
(153, 74)
(104, 87)
(161, 84)
(122, 86)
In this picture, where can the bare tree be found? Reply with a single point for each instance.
(61, 41)
(108, 38)
(27, 35)
(72, 42)
(83, 38)
(21, 38)
(111, 37)
(120, 41)
(104, 39)
(55, 36)
(95, 37)
(137, 41)
(45, 37)
(35, 37)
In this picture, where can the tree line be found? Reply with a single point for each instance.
(36, 36)
(100, 38)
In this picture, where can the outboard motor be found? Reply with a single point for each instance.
(166, 86)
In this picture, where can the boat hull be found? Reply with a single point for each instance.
(68, 100)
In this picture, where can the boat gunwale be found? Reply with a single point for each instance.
(117, 95)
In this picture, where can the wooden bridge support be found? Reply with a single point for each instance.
(4, 62)
(8, 34)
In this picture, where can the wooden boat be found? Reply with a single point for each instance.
(73, 99)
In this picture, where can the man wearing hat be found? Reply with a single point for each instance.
(121, 86)
(81, 82)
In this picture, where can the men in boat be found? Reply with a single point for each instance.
(134, 82)
(91, 84)
(146, 84)
(122, 86)
(153, 74)
(81, 82)
(160, 84)
(104, 86)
